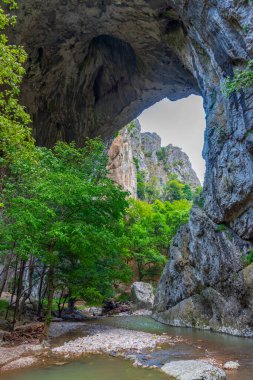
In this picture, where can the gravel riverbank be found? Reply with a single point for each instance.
(92, 339)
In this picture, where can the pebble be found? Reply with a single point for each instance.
(231, 365)
(109, 340)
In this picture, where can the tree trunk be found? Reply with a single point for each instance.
(19, 291)
(27, 293)
(5, 273)
(71, 304)
(50, 296)
(40, 298)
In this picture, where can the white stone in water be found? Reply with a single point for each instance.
(231, 365)
(193, 370)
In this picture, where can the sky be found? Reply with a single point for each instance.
(180, 123)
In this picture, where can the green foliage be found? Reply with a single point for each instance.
(65, 211)
(197, 193)
(124, 297)
(242, 79)
(15, 136)
(3, 305)
(221, 228)
(176, 190)
(136, 163)
(131, 127)
(141, 184)
(249, 258)
(161, 154)
(148, 230)
(116, 134)
(151, 190)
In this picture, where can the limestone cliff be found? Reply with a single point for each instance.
(132, 151)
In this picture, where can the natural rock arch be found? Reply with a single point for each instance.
(95, 65)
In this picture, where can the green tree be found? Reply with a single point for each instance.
(148, 231)
(15, 136)
(173, 190)
(65, 212)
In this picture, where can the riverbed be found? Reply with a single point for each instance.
(190, 344)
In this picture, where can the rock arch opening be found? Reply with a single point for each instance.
(102, 64)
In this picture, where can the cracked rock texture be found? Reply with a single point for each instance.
(132, 151)
(95, 65)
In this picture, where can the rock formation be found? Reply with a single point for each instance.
(142, 295)
(132, 151)
(95, 65)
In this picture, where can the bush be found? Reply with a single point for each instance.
(249, 258)
(3, 305)
(242, 79)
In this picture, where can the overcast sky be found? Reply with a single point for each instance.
(180, 123)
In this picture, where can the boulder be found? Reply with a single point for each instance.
(142, 294)
(193, 370)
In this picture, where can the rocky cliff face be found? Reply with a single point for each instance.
(95, 65)
(132, 151)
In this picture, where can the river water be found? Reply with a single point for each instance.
(195, 344)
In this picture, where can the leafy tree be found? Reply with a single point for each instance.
(173, 190)
(64, 211)
(177, 190)
(15, 136)
(148, 230)
(151, 190)
(141, 186)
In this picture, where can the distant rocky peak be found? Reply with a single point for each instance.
(150, 142)
(134, 155)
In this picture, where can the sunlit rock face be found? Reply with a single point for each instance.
(132, 151)
(95, 65)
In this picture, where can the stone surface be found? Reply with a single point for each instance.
(231, 365)
(27, 361)
(11, 354)
(93, 66)
(107, 340)
(132, 151)
(193, 370)
(142, 295)
(204, 285)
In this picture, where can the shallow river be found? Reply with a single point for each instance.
(195, 344)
